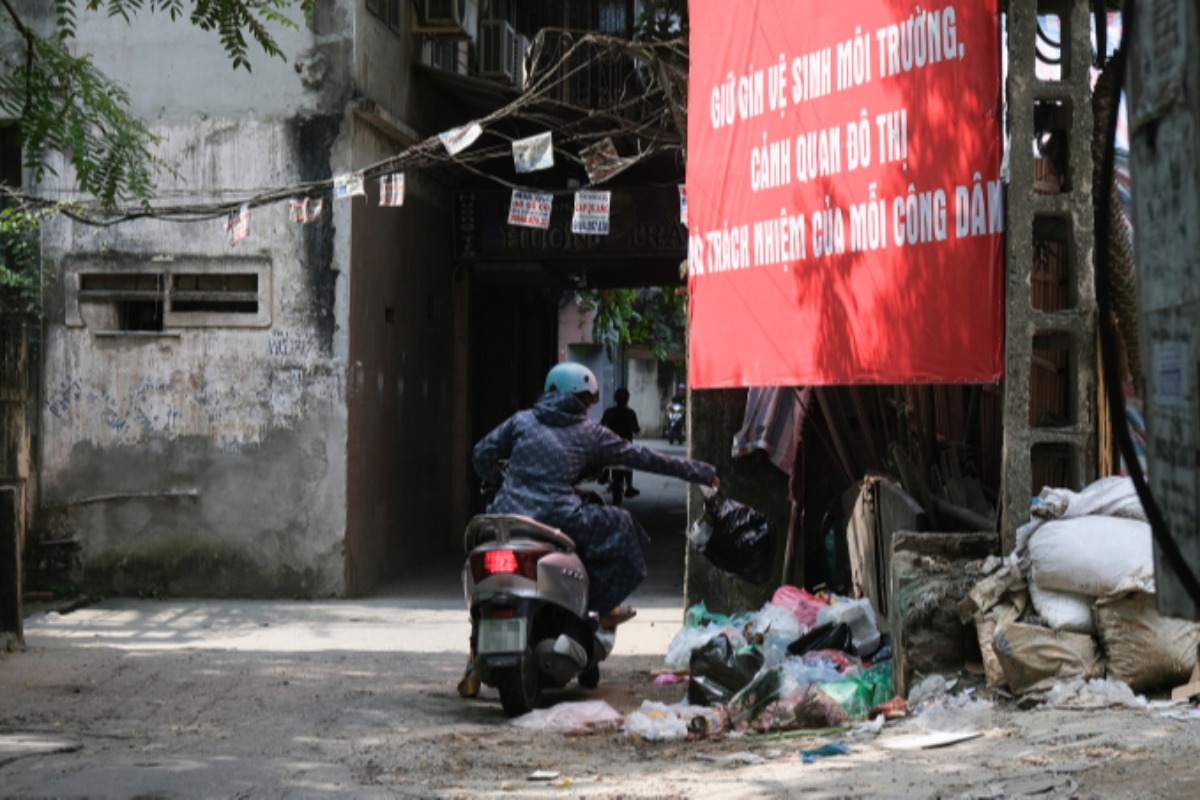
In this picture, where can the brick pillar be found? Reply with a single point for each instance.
(1050, 371)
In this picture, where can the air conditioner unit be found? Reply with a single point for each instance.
(497, 50)
(448, 17)
(448, 54)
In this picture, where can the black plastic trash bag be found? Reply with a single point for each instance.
(735, 538)
(830, 636)
(718, 672)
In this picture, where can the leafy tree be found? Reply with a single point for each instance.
(59, 101)
(655, 317)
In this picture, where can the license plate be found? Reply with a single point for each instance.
(502, 635)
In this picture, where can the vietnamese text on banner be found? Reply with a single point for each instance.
(530, 210)
(591, 213)
(845, 208)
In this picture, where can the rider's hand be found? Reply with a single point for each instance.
(716, 484)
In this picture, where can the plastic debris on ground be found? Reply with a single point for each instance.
(771, 671)
(658, 722)
(586, 716)
(1096, 693)
(831, 749)
(933, 709)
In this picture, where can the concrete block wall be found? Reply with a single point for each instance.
(1064, 107)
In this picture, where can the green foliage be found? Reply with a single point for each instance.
(61, 102)
(655, 317)
(20, 260)
(230, 19)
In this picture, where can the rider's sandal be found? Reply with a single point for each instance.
(618, 615)
(469, 685)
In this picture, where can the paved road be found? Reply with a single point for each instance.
(195, 699)
(206, 698)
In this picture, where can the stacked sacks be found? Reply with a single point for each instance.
(1076, 598)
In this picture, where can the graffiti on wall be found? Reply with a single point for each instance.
(233, 402)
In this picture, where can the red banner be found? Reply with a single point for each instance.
(846, 211)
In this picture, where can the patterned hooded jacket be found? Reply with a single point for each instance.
(549, 448)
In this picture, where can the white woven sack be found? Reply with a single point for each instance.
(1063, 611)
(1092, 555)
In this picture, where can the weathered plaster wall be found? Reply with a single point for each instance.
(210, 460)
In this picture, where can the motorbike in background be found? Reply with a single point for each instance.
(675, 422)
(527, 591)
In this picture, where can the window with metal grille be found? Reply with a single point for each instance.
(234, 293)
(123, 301)
(191, 294)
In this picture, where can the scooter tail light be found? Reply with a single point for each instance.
(499, 561)
(506, 562)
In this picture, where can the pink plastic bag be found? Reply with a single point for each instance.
(800, 603)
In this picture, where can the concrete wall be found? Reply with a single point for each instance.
(645, 398)
(210, 460)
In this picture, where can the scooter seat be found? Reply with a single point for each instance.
(502, 528)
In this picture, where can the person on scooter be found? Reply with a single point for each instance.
(548, 449)
(623, 421)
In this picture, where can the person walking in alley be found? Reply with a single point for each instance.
(537, 456)
(623, 421)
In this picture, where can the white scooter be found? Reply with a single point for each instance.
(527, 591)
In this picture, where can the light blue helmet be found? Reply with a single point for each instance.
(572, 379)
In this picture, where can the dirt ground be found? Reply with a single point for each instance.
(173, 699)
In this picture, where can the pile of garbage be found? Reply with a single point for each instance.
(800, 662)
(1076, 599)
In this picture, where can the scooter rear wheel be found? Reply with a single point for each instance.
(519, 686)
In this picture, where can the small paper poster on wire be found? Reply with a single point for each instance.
(591, 213)
(348, 185)
(683, 205)
(534, 153)
(391, 189)
(456, 140)
(237, 224)
(530, 210)
(601, 160)
(306, 209)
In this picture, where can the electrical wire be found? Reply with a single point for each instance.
(649, 118)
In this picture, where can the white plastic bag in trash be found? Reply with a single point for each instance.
(776, 624)
(581, 717)
(859, 615)
(656, 721)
